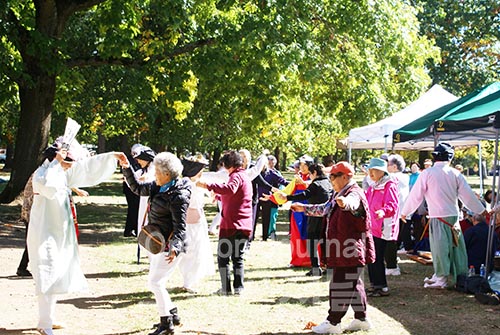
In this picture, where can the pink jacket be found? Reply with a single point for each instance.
(384, 195)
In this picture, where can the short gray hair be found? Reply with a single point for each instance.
(167, 162)
(397, 160)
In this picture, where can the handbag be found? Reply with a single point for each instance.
(151, 238)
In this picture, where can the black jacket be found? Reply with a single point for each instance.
(167, 209)
(318, 192)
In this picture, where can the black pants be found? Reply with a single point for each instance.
(132, 210)
(264, 209)
(23, 265)
(314, 227)
(312, 249)
(231, 248)
(376, 271)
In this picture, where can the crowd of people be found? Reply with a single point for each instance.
(337, 227)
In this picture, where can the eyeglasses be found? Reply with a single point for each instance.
(333, 176)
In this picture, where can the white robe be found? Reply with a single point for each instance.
(198, 261)
(147, 177)
(52, 244)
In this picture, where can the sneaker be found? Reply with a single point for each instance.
(23, 273)
(393, 272)
(221, 292)
(379, 292)
(487, 298)
(359, 324)
(402, 252)
(440, 282)
(45, 331)
(327, 328)
(238, 290)
(430, 280)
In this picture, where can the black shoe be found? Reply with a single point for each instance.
(129, 233)
(314, 272)
(175, 316)
(165, 327)
(23, 273)
(487, 298)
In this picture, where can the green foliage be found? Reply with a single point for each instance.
(468, 34)
(205, 75)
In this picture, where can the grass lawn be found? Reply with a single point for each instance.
(277, 299)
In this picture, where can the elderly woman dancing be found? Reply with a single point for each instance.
(169, 197)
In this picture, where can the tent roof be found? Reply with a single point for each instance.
(379, 134)
(476, 120)
(422, 129)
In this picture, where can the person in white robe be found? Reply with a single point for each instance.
(52, 244)
(144, 155)
(198, 261)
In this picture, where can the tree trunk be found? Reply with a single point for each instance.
(9, 155)
(33, 132)
(215, 160)
(277, 155)
(101, 144)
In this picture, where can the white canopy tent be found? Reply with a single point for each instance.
(378, 135)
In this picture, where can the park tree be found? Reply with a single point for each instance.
(206, 75)
(468, 34)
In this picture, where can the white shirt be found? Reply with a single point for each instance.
(441, 186)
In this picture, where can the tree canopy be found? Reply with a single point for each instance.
(205, 75)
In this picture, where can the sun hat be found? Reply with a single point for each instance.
(378, 164)
(145, 153)
(136, 149)
(341, 168)
(306, 159)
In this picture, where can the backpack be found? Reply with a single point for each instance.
(472, 284)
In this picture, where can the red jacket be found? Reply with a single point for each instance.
(236, 198)
(348, 234)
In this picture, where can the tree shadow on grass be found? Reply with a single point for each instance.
(114, 301)
(200, 332)
(304, 301)
(107, 275)
(118, 301)
(33, 331)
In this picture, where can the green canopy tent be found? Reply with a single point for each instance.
(479, 119)
(424, 129)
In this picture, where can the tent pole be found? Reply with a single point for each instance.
(494, 200)
(481, 186)
(349, 152)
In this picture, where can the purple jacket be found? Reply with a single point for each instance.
(236, 198)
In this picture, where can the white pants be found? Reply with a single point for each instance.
(46, 308)
(159, 271)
